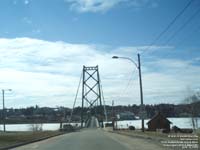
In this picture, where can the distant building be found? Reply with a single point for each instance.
(159, 122)
(126, 116)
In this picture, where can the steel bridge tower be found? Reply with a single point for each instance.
(91, 94)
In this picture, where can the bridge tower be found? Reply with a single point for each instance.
(91, 94)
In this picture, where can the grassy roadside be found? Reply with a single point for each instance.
(13, 138)
(155, 137)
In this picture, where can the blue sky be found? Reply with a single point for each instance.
(45, 43)
(131, 22)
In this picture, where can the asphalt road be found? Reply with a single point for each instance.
(91, 139)
(93, 122)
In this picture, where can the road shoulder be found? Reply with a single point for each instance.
(137, 142)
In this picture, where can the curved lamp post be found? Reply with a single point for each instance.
(138, 66)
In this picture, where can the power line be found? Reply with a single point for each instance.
(128, 83)
(170, 24)
(183, 26)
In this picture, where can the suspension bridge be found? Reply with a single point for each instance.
(93, 110)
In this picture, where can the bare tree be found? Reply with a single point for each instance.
(194, 108)
(36, 127)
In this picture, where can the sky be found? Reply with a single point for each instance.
(45, 43)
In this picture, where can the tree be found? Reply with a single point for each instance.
(36, 127)
(194, 102)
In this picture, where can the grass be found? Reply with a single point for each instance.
(198, 133)
(157, 137)
(12, 138)
(146, 134)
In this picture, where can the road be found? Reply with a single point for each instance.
(91, 139)
(93, 123)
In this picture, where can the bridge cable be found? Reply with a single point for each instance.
(104, 107)
(76, 97)
(105, 112)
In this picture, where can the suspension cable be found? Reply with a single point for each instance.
(105, 112)
(76, 97)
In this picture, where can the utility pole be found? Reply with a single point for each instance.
(141, 93)
(138, 66)
(4, 124)
(113, 115)
(4, 112)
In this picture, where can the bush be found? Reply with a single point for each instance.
(68, 128)
(176, 129)
(131, 128)
(108, 124)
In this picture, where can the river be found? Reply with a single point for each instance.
(180, 122)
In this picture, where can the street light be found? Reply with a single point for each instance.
(4, 114)
(117, 57)
(138, 66)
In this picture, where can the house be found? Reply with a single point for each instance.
(159, 122)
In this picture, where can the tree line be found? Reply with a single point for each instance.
(47, 114)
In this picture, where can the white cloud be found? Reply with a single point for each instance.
(92, 5)
(47, 73)
(40, 67)
(105, 5)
